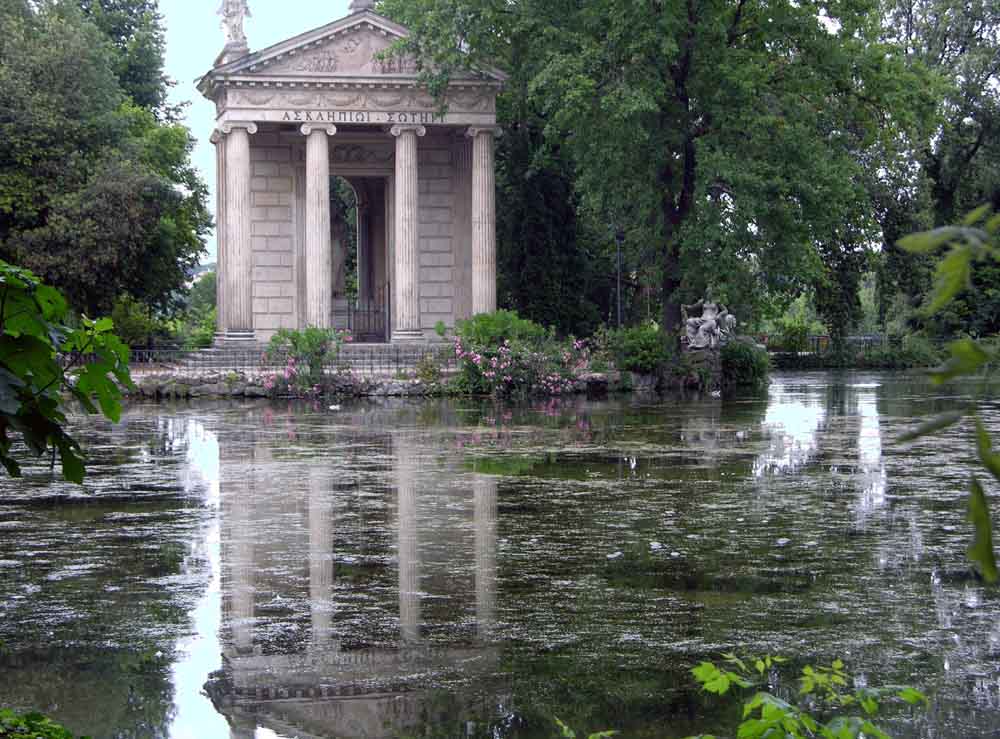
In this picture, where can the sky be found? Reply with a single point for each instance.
(195, 38)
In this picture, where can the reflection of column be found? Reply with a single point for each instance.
(319, 256)
(407, 290)
(408, 552)
(238, 280)
(484, 236)
(241, 504)
(485, 517)
(320, 557)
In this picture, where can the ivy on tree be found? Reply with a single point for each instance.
(41, 361)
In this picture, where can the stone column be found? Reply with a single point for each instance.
(484, 230)
(485, 520)
(221, 270)
(407, 290)
(463, 227)
(319, 254)
(238, 280)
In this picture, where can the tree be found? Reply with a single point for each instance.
(33, 377)
(958, 159)
(722, 133)
(552, 265)
(135, 30)
(96, 195)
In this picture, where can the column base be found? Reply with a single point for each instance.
(407, 336)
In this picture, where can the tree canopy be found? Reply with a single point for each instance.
(97, 192)
(727, 140)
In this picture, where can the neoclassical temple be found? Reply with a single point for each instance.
(328, 103)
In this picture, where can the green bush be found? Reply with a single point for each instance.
(492, 329)
(744, 364)
(30, 726)
(794, 337)
(305, 353)
(502, 354)
(641, 349)
(138, 327)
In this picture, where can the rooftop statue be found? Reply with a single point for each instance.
(711, 329)
(233, 13)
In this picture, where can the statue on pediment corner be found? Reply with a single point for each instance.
(233, 13)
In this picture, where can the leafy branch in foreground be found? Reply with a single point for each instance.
(975, 241)
(34, 378)
(827, 707)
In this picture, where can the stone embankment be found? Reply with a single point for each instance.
(234, 384)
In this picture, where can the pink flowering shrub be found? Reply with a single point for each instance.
(501, 354)
(306, 355)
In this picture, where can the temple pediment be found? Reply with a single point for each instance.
(349, 49)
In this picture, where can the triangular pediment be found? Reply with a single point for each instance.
(348, 48)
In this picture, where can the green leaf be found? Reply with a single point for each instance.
(967, 358)
(984, 445)
(977, 215)
(929, 241)
(951, 277)
(567, 732)
(912, 696)
(981, 550)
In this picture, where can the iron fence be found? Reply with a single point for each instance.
(366, 359)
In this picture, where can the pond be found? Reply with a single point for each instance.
(445, 568)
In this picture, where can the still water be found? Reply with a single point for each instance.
(450, 568)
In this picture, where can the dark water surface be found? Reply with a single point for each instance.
(447, 568)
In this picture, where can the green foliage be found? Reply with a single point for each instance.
(567, 733)
(306, 354)
(502, 354)
(641, 349)
(965, 246)
(657, 109)
(138, 326)
(135, 30)
(744, 364)
(499, 326)
(824, 707)
(97, 195)
(428, 370)
(195, 327)
(31, 726)
(33, 375)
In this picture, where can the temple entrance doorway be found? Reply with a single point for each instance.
(359, 228)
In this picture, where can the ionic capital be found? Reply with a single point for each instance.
(227, 127)
(400, 128)
(473, 131)
(308, 128)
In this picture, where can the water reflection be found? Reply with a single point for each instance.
(408, 568)
(329, 627)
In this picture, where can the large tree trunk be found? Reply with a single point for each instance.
(671, 285)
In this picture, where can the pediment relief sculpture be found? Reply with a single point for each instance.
(353, 53)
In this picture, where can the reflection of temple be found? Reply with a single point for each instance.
(359, 589)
